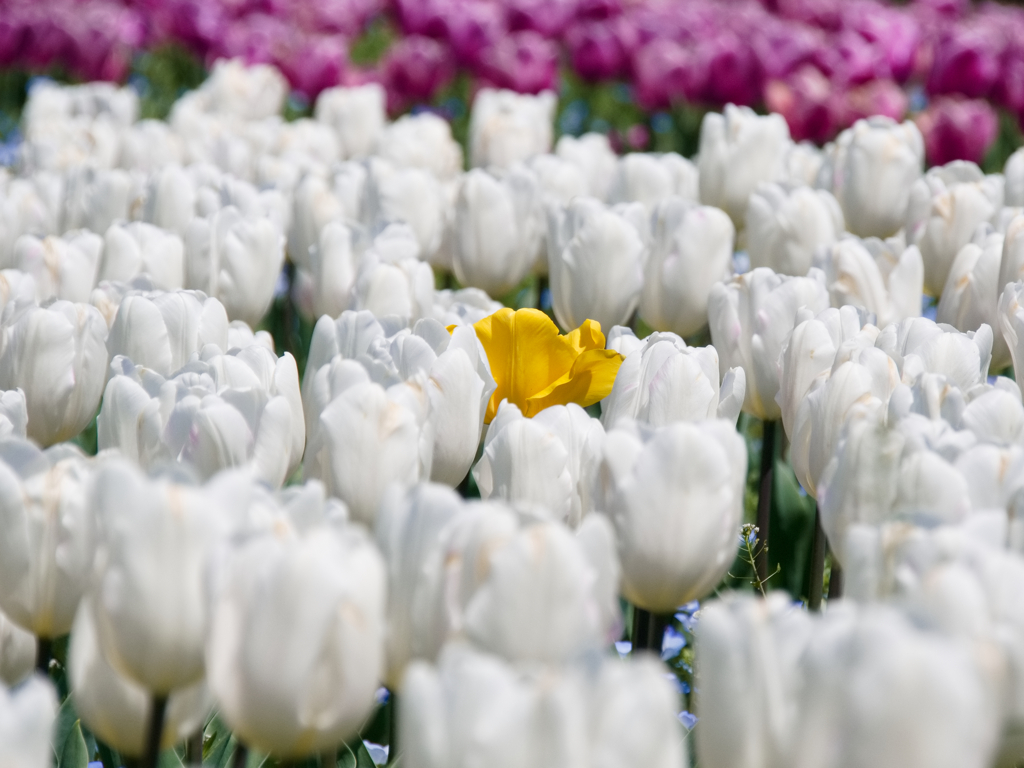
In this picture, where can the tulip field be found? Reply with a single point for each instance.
(511, 384)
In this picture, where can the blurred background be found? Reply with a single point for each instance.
(642, 71)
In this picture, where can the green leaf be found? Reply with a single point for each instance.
(355, 755)
(792, 532)
(219, 745)
(74, 753)
(66, 722)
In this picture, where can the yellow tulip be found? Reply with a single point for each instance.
(535, 367)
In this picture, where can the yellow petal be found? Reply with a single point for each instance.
(589, 381)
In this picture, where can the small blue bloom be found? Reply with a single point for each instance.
(661, 122)
(672, 643)
(688, 719)
(740, 262)
(282, 285)
(623, 647)
(382, 696)
(378, 754)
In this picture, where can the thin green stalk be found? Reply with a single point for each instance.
(764, 498)
(817, 576)
(155, 731)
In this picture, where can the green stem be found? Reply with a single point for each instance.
(392, 728)
(835, 580)
(656, 631)
(817, 576)
(44, 653)
(641, 628)
(194, 748)
(155, 731)
(764, 499)
(240, 757)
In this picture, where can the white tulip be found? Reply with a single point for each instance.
(803, 163)
(63, 267)
(117, 709)
(13, 414)
(140, 248)
(422, 141)
(662, 380)
(871, 169)
(1011, 322)
(149, 145)
(547, 461)
(148, 595)
(356, 114)
(391, 280)
(750, 318)
(971, 295)
(786, 224)
(17, 289)
(856, 387)
(17, 652)
(1011, 268)
(406, 195)
(560, 181)
(738, 150)
(596, 262)
(498, 229)
(242, 408)
(296, 645)
(675, 496)
(465, 306)
(876, 276)
(946, 205)
(809, 353)
(170, 199)
(459, 381)
(369, 438)
(163, 330)
(25, 209)
(95, 198)
(506, 127)
(48, 550)
(615, 713)
(592, 153)
(879, 474)
(235, 258)
(749, 660)
(691, 250)
(246, 91)
(332, 270)
(642, 177)
(57, 356)
(919, 345)
(28, 714)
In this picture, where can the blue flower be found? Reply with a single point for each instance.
(688, 719)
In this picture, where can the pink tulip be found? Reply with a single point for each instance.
(546, 17)
(808, 103)
(423, 17)
(665, 72)
(895, 34)
(966, 60)
(732, 71)
(415, 69)
(314, 62)
(473, 27)
(879, 97)
(601, 50)
(957, 129)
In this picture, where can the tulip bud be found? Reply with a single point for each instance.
(1011, 322)
(116, 708)
(1011, 268)
(140, 248)
(63, 267)
(356, 114)
(560, 181)
(971, 296)
(738, 150)
(691, 250)
(619, 712)
(809, 353)
(1013, 173)
(787, 224)
(879, 277)
(498, 229)
(57, 356)
(649, 490)
(170, 199)
(596, 261)
(95, 198)
(422, 141)
(749, 660)
(292, 617)
(147, 599)
(413, 196)
(750, 318)
(506, 127)
(246, 91)
(17, 289)
(548, 460)
(48, 552)
(368, 438)
(465, 306)
(662, 380)
(871, 169)
(649, 178)
(857, 387)
(28, 714)
(946, 206)
(17, 652)
(162, 331)
(25, 210)
(236, 258)
(391, 280)
(150, 145)
(593, 155)
(332, 270)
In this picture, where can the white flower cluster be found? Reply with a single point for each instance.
(275, 536)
